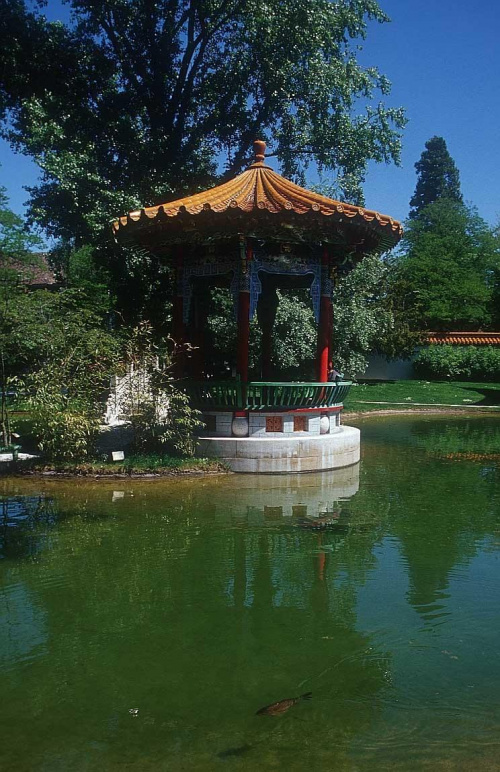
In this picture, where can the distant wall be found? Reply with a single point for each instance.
(379, 369)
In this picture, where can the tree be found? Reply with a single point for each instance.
(55, 344)
(16, 263)
(496, 281)
(445, 276)
(438, 177)
(366, 319)
(146, 99)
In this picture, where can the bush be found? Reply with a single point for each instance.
(161, 417)
(64, 435)
(459, 362)
(164, 422)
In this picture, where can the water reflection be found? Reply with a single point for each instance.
(194, 603)
(22, 518)
(265, 500)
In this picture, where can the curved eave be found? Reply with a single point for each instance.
(258, 191)
(311, 227)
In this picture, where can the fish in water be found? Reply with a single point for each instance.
(277, 708)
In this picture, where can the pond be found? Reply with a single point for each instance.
(144, 624)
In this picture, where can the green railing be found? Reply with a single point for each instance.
(265, 395)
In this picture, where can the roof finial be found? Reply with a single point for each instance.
(259, 147)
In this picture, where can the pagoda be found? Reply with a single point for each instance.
(254, 234)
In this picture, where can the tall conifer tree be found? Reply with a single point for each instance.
(438, 177)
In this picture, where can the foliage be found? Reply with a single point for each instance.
(16, 263)
(495, 295)
(365, 319)
(133, 465)
(81, 270)
(63, 435)
(221, 336)
(145, 97)
(459, 362)
(16, 242)
(61, 331)
(160, 413)
(66, 387)
(222, 333)
(294, 336)
(63, 358)
(445, 275)
(438, 177)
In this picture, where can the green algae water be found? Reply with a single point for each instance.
(144, 624)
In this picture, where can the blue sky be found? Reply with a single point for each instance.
(443, 59)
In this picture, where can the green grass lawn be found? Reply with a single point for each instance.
(409, 393)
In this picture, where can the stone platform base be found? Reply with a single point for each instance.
(280, 455)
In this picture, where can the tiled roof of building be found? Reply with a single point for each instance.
(465, 338)
(35, 273)
(260, 189)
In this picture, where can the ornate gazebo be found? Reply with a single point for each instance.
(257, 232)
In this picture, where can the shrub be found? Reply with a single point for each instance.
(163, 421)
(64, 435)
(160, 414)
(459, 362)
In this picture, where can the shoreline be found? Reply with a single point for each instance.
(87, 473)
(467, 411)
(59, 475)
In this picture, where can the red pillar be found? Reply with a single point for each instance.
(244, 318)
(325, 321)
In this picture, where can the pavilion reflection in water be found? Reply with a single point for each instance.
(261, 498)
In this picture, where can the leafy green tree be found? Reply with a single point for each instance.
(146, 99)
(16, 263)
(16, 242)
(55, 345)
(161, 417)
(366, 319)
(64, 356)
(294, 336)
(438, 177)
(80, 270)
(496, 282)
(445, 276)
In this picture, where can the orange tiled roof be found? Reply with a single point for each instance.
(465, 338)
(259, 188)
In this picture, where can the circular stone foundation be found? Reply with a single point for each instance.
(281, 455)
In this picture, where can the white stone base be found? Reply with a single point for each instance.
(279, 455)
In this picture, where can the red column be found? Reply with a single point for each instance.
(244, 317)
(325, 321)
